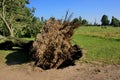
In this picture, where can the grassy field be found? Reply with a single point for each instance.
(109, 32)
(101, 44)
(11, 57)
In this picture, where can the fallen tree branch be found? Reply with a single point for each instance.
(10, 42)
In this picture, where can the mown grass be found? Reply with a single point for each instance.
(3, 54)
(12, 57)
(16, 55)
(98, 46)
(109, 32)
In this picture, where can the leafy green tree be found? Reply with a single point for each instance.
(13, 14)
(33, 28)
(42, 19)
(115, 22)
(84, 22)
(80, 20)
(75, 20)
(105, 20)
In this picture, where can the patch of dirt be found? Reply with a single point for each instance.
(81, 71)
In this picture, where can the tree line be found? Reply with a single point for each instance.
(114, 21)
(104, 21)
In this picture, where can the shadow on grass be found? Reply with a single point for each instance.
(18, 56)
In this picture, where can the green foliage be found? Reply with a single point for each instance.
(84, 22)
(4, 31)
(12, 12)
(115, 22)
(31, 29)
(79, 21)
(17, 19)
(105, 20)
(75, 21)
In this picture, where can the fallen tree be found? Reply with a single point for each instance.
(52, 47)
(10, 42)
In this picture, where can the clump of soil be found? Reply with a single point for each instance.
(52, 47)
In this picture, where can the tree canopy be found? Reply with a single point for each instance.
(15, 17)
(80, 21)
(115, 22)
(105, 20)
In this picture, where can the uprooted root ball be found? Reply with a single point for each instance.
(52, 47)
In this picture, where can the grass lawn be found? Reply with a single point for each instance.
(98, 47)
(109, 32)
(101, 45)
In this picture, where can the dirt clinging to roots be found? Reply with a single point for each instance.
(52, 47)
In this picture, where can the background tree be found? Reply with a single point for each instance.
(75, 20)
(15, 15)
(80, 20)
(115, 22)
(32, 29)
(84, 22)
(42, 19)
(105, 20)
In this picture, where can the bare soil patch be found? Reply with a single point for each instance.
(81, 71)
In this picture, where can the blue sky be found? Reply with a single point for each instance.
(87, 9)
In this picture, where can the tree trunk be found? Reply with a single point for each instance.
(2, 16)
(10, 29)
(11, 32)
